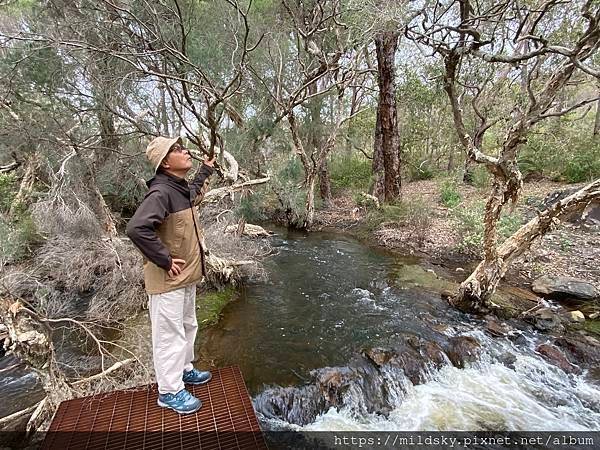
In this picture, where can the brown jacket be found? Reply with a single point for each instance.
(166, 226)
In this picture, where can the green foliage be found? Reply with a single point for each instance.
(350, 172)
(285, 202)
(449, 194)
(252, 208)
(563, 150)
(480, 177)
(211, 304)
(18, 233)
(583, 166)
(121, 189)
(409, 213)
(17, 237)
(421, 170)
(469, 220)
(8, 190)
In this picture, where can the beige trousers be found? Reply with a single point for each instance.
(174, 327)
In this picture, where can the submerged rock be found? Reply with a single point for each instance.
(581, 348)
(556, 357)
(565, 287)
(373, 382)
(496, 328)
(462, 350)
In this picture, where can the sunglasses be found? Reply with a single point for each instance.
(177, 149)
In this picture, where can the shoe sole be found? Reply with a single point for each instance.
(164, 405)
(196, 383)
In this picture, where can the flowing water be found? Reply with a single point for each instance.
(328, 296)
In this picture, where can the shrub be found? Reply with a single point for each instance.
(288, 200)
(252, 208)
(351, 172)
(8, 190)
(469, 221)
(562, 149)
(421, 170)
(412, 214)
(582, 167)
(449, 194)
(17, 238)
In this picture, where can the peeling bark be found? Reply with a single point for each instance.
(475, 292)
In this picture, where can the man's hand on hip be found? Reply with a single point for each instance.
(176, 267)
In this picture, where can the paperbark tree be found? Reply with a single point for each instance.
(464, 43)
(321, 63)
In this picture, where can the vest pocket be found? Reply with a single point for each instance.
(178, 235)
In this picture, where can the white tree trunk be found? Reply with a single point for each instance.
(475, 292)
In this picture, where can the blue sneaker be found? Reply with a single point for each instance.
(196, 376)
(183, 402)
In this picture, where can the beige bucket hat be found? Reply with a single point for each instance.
(158, 148)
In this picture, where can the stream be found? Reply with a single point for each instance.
(327, 298)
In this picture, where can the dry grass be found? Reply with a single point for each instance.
(95, 279)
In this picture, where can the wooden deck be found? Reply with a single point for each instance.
(131, 419)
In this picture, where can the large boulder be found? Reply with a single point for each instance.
(565, 287)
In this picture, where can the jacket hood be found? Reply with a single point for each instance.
(179, 184)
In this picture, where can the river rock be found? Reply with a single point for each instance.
(585, 350)
(294, 405)
(563, 286)
(496, 328)
(462, 350)
(554, 356)
(404, 357)
(576, 316)
(544, 319)
(508, 359)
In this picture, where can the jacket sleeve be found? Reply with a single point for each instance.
(141, 229)
(201, 176)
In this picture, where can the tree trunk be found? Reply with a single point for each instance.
(377, 165)
(310, 201)
(474, 294)
(316, 141)
(386, 44)
(468, 169)
(597, 122)
(325, 182)
(163, 110)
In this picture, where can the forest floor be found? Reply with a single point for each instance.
(436, 232)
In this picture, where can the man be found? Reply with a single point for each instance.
(165, 229)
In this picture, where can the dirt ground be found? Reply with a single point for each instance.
(571, 249)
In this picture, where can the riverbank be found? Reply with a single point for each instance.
(437, 222)
(427, 224)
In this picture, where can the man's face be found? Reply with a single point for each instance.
(178, 159)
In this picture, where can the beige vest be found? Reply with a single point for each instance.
(178, 235)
